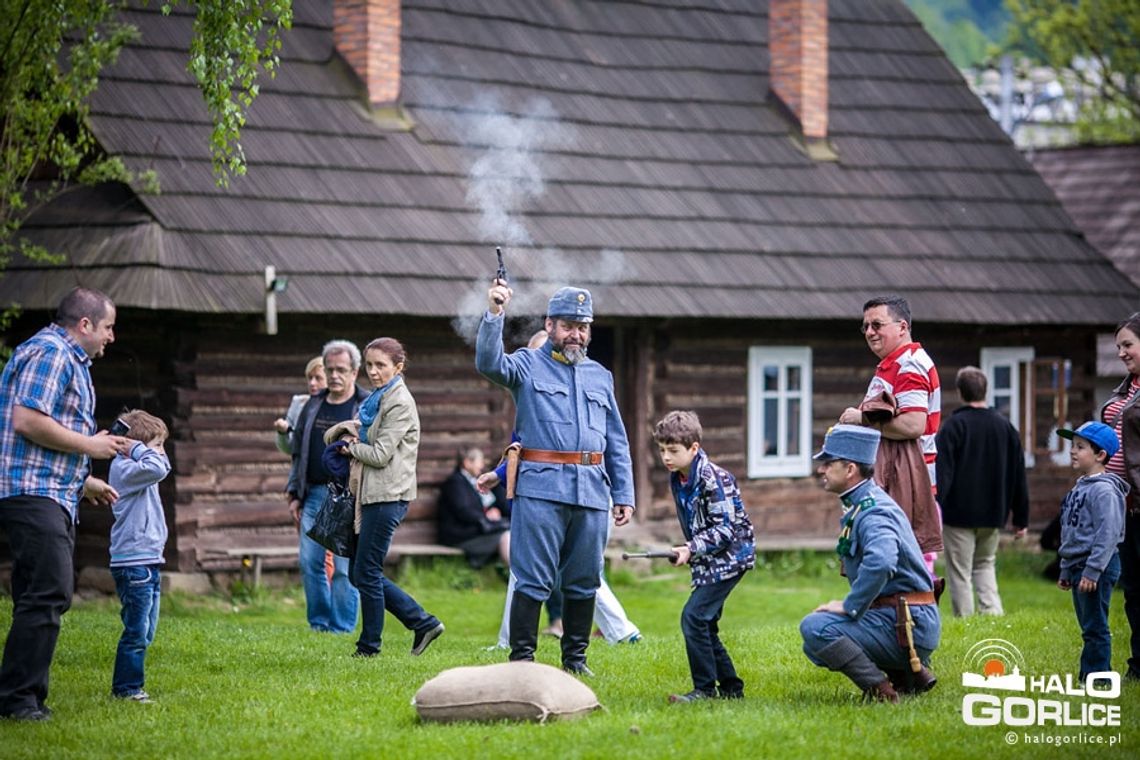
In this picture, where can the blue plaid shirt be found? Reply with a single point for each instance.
(49, 373)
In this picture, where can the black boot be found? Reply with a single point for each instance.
(906, 681)
(577, 621)
(845, 656)
(524, 626)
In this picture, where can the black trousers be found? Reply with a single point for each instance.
(42, 539)
(1130, 582)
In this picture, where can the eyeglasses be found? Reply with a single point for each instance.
(876, 325)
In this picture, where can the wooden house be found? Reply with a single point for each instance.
(731, 178)
(1099, 187)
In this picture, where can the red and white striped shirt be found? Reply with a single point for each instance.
(1112, 416)
(909, 373)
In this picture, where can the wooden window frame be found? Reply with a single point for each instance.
(782, 465)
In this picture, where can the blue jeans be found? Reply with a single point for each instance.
(377, 592)
(708, 659)
(1092, 615)
(330, 607)
(139, 590)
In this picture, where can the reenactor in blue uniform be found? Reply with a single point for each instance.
(889, 620)
(573, 465)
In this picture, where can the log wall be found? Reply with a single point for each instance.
(219, 384)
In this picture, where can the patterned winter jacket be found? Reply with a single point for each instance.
(716, 527)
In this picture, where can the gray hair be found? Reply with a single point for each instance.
(342, 347)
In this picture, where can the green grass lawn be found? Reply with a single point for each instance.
(248, 679)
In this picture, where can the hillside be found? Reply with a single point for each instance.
(966, 29)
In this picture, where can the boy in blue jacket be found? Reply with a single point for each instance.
(720, 547)
(138, 538)
(1092, 524)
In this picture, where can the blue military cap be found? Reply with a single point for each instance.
(854, 443)
(571, 304)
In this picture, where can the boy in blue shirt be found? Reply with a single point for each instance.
(720, 547)
(1092, 524)
(138, 538)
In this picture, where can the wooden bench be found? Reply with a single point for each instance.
(251, 557)
(399, 553)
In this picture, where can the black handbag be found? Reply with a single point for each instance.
(334, 526)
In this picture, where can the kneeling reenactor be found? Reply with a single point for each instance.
(889, 620)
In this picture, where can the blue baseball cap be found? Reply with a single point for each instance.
(571, 304)
(854, 443)
(1098, 434)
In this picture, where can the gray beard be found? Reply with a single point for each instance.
(574, 354)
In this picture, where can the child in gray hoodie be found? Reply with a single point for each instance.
(1092, 525)
(138, 538)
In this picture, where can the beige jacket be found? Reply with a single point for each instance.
(387, 463)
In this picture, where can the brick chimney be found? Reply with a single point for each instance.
(797, 45)
(367, 35)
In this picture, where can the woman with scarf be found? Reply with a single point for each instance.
(1122, 413)
(385, 455)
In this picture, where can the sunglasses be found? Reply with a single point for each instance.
(876, 325)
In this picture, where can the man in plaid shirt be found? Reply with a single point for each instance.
(47, 439)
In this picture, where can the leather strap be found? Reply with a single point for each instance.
(913, 598)
(562, 457)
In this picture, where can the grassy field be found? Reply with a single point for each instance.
(244, 677)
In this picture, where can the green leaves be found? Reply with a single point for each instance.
(234, 42)
(1099, 40)
(52, 53)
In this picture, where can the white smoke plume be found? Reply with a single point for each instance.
(506, 175)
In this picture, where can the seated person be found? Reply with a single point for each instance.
(478, 523)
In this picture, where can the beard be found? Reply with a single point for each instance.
(575, 354)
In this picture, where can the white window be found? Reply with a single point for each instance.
(779, 411)
(1033, 393)
(1006, 375)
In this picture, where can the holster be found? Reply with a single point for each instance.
(511, 454)
(904, 632)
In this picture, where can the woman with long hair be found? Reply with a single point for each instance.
(1122, 413)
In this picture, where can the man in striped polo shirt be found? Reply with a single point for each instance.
(907, 372)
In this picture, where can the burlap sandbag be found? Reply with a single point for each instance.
(505, 691)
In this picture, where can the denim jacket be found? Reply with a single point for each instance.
(561, 407)
(713, 519)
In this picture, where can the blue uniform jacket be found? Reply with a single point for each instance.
(560, 407)
(714, 522)
(884, 557)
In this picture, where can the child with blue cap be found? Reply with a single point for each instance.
(1092, 525)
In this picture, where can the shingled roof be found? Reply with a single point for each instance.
(657, 170)
(1099, 186)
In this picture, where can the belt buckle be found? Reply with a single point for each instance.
(585, 458)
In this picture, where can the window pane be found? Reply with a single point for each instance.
(771, 425)
(1002, 404)
(1001, 377)
(771, 377)
(793, 428)
(793, 377)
